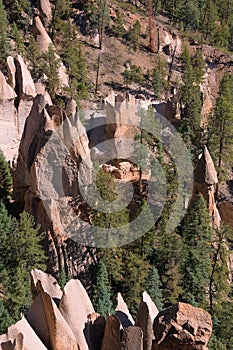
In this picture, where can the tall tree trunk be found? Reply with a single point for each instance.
(97, 74)
(151, 26)
(101, 20)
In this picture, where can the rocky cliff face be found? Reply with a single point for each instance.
(66, 320)
(34, 133)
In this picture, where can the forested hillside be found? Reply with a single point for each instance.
(66, 64)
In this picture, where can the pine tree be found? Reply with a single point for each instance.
(5, 179)
(168, 262)
(220, 127)
(98, 17)
(50, 66)
(21, 49)
(6, 228)
(191, 100)
(20, 251)
(133, 34)
(134, 279)
(197, 254)
(102, 291)
(157, 83)
(5, 319)
(61, 13)
(35, 58)
(118, 26)
(19, 12)
(74, 59)
(154, 288)
(219, 287)
(4, 38)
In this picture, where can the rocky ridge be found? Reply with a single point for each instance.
(60, 320)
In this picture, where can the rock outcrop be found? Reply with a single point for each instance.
(45, 12)
(16, 99)
(57, 146)
(121, 125)
(60, 334)
(132, 338)
(70, 323)
(42, 38)
(48, 282)
(146, 314)
(122, 312)
(112, 334)
(205, 181)
(182, 326)
(75, 306)
(21, 336)
(8, 119)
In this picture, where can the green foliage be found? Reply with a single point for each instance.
(191, 100)
(21, 49)
(154, 288)
(215, 344)
(197, 254)
(135, 278)
(20, 252)
(224, 326)
(4, 38)
(61, 13)
(118, 26)
(19, 12)
(219, 287)
(50, 67)
(35, 58)
(102, 291)
(5, 179)
(134, 74)
(168, 260)
(63, 278)
(74, 59)
(98, 17)
(212, 18)
(5, 319)
(157, 83)
(220, 127)
(133, 35)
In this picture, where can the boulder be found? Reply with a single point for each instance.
(21, 336)
(182, 326)
(75, 306)
(132, 339)
(112, 334)
(48, 282)
(122, 312)
(60, 333)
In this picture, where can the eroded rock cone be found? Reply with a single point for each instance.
(75, 306)
(182, 326)
(21, 336)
